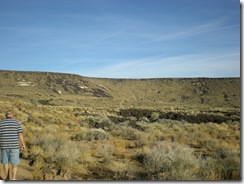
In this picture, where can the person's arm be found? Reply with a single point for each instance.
(21, 138)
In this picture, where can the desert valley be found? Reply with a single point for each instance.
(81, 128)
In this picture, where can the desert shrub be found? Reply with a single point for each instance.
(120, 145)
(101, 122)
(230, 168)
(38, 166)
(35, 151)
(85, 153)
(142, 140)
(222, 165)
(155, 116)
(81, 172)
(96, 134)
(169, 161)
(36, 119)
(128, 133)
(105, 151)
(123, 170)
(55, 150)
(143, 124)
(81, 135)
(90, 135)
(144, 119)
(52, 129)
(176, 128)
(209, 144)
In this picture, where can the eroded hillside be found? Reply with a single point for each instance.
(67, 89)
(189, 99)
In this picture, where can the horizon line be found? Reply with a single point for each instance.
(118, 78)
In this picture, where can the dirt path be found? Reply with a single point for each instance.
(24, 171)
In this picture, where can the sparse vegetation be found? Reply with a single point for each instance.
(104, 129)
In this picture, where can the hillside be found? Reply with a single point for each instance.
(60, 89)
(125, 129)
(97, 94)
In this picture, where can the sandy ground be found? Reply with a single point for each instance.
(24, 171)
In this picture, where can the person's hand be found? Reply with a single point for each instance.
(23, 147)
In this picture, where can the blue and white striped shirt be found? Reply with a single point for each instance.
(9, 134)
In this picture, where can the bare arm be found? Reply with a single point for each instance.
(21, 138)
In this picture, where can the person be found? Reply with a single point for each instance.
(11, 134)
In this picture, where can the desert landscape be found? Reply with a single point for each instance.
(82, 128)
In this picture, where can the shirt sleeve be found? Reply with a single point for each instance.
(19, 129)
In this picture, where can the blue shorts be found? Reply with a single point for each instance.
(10, 156)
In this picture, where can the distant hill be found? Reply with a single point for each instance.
(68, 89)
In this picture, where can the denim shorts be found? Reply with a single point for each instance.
(10, 156)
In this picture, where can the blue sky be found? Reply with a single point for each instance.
(122, 38)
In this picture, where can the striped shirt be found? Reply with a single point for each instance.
(9, 134)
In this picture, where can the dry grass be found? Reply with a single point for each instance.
(89, 143)
(79, 144)
(72, 135)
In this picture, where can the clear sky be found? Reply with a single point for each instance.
(122, 38)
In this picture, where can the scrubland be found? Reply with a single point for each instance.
(64, 146)
(80, 128)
